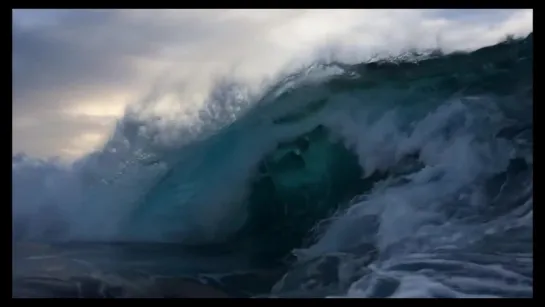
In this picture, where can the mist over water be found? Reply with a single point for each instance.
(406, 177)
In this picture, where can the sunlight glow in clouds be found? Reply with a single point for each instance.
(74, 71)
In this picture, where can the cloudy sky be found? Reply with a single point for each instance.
(75, 71)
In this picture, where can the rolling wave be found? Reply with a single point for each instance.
(405, 177)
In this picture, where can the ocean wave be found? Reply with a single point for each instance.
(403, 177)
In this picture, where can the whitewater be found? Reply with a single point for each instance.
(406, 176)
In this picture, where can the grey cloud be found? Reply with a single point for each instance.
(474, 15)
(50, 134)
(96, 49)
(59, 58)
(81, 54)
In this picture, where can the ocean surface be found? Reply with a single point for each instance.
(409, 176)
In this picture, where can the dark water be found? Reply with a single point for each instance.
(101, 270)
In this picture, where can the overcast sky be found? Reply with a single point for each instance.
(74, 71)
